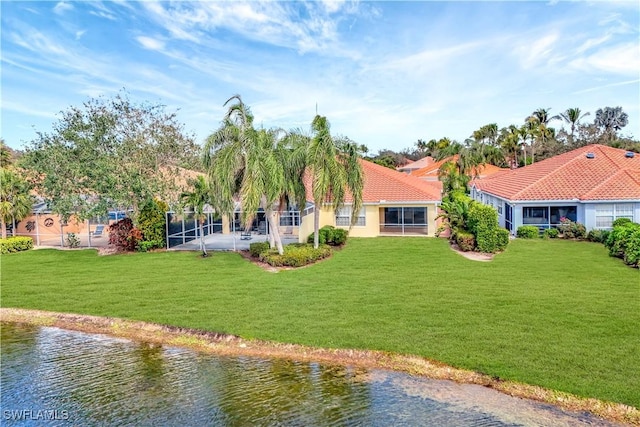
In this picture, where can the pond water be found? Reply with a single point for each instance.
(52, 376)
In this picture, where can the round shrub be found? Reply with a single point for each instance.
(624, 242)
(621, 221)
(502, 239)
(257, 248)
(550, 233)
(466, 241)
(598, 236)
(572, 230)
(124, 236)
(329, 235)
(339, 237)
(527, 232)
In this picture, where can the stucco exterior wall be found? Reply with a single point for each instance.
(372, 221)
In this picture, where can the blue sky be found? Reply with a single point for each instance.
(384, 73)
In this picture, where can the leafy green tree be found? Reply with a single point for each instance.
(334, 166)
(6, 157)
(611, 120)
(197, 199)
(108, 153)
(15, 200)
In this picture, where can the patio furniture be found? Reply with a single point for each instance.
(98, 231)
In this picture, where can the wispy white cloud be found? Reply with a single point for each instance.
(605, 86)
(620, 59)
(538, 51)
(150, 43)
(385, 74)
(307, 27)
(61, 7)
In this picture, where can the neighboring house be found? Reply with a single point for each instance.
(394, 203)
(593, 185)
(430, 172)
(418, 164)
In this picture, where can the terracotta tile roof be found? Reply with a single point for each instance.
(418, 164)
(432, 169)
(382, 183)
(610, 175)
(431, 172)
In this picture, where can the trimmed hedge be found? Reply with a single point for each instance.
(624, 242)
(502, 239)
(527, 232)
(15, 244)
(482, 221)
(551, 233)
(295, 255)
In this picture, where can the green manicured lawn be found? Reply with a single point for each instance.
(559, 314)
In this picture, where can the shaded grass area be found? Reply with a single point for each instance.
(558, 314)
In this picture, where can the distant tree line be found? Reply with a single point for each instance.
(517, 145)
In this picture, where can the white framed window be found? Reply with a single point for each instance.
(343, 217)
(607, 213)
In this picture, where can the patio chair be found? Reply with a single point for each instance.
(98, 231)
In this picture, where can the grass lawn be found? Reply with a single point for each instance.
(559, 314)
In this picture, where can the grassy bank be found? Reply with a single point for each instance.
(558, 314)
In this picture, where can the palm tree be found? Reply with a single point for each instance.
(197, 199)
(334, 168)
(538, 124)
(452, 178)
(572, 116)
(611, 120)
(15, 200)
(245, 162)
(509, 140)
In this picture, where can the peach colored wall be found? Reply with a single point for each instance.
(49, 224)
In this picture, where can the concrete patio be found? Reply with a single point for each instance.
(228, 242)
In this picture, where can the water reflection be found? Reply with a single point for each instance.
(100, 380)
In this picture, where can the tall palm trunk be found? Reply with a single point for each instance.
(3, 224)
(274, 231)
(202, 245)
(316, 226)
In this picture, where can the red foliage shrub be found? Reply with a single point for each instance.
(124, 236)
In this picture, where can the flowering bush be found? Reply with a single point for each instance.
(572, 230)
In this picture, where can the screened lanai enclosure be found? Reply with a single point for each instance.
(48, 229)
(183, 230)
